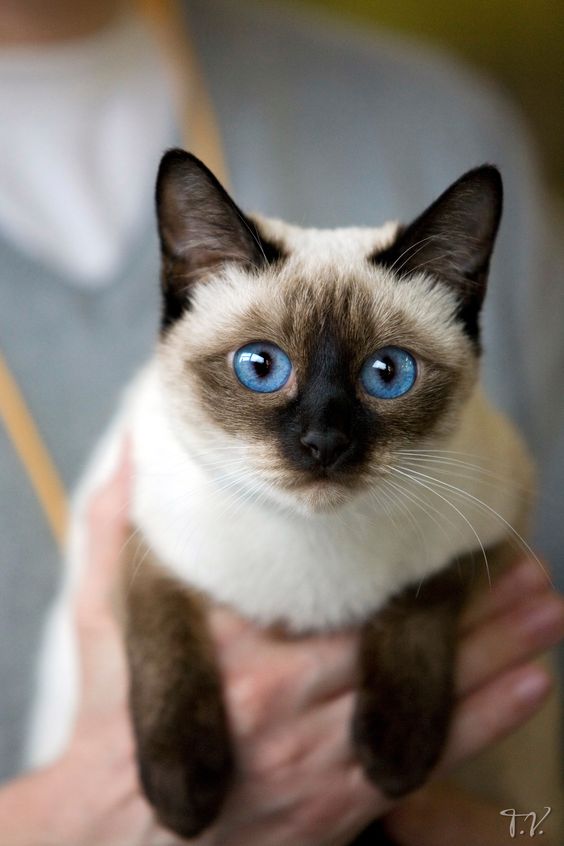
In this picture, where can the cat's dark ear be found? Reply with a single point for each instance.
(453, 240)
(200, 229)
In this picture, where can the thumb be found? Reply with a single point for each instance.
(107, 529)
(101, 653)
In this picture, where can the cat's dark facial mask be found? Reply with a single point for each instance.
(304, 358)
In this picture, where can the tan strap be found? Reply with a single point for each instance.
(33, 454)
(199, 124)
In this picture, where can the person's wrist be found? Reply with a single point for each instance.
(29, 808)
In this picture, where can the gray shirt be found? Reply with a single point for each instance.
(323, 127)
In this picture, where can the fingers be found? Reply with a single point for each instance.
(509, 638)
(525, 579)
(286, 672)
(107, 527)
(520, 618)
(318, 740)
(101, 654)
(495, 710)
(481, 719)
(330, 667)
(228, 628)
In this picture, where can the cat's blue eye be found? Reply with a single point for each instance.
(262, 367)
(389, 373)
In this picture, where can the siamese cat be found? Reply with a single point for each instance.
(312, 448)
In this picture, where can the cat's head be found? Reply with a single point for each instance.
(297, 362)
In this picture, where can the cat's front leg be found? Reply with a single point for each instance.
(406, 686)
(182, 736)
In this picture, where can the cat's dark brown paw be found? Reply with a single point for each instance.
(187, 782)
(397, 753)
(406, 686)
(180, 721)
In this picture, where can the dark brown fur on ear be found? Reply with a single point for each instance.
(453, 240)
(179, 719)
(406, 690)
(200, 228)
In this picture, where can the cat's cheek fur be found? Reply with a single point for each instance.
(207, 404)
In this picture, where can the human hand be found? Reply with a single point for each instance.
(300, 772)
(290, 703)
(501, 630)
(90, 797)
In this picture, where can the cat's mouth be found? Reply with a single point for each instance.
(320, 490)
(324, 495)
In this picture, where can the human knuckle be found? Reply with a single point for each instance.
(305, 664)
(251, 698)
(248, 707)
(279, 755)
(316, 817)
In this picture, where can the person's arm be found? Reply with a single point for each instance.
(291, 704)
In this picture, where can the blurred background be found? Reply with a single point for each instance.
(520, 43)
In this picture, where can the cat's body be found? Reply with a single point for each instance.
(318, 502)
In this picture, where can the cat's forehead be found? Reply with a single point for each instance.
(327, 247)
(325, 279)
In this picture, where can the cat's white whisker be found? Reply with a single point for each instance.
(484, 505)
(409, 249)
(137, 566)
(426, 507)
(409, 258)
(411, 517)
(445, 457)
(452, 452)
(252, 233)
(418, 481)
(385, 508)
(470, 473)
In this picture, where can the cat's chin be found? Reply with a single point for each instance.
(317, 498)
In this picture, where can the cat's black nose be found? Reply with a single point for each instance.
(325, 447)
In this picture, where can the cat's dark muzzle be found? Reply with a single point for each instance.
(342, 467)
